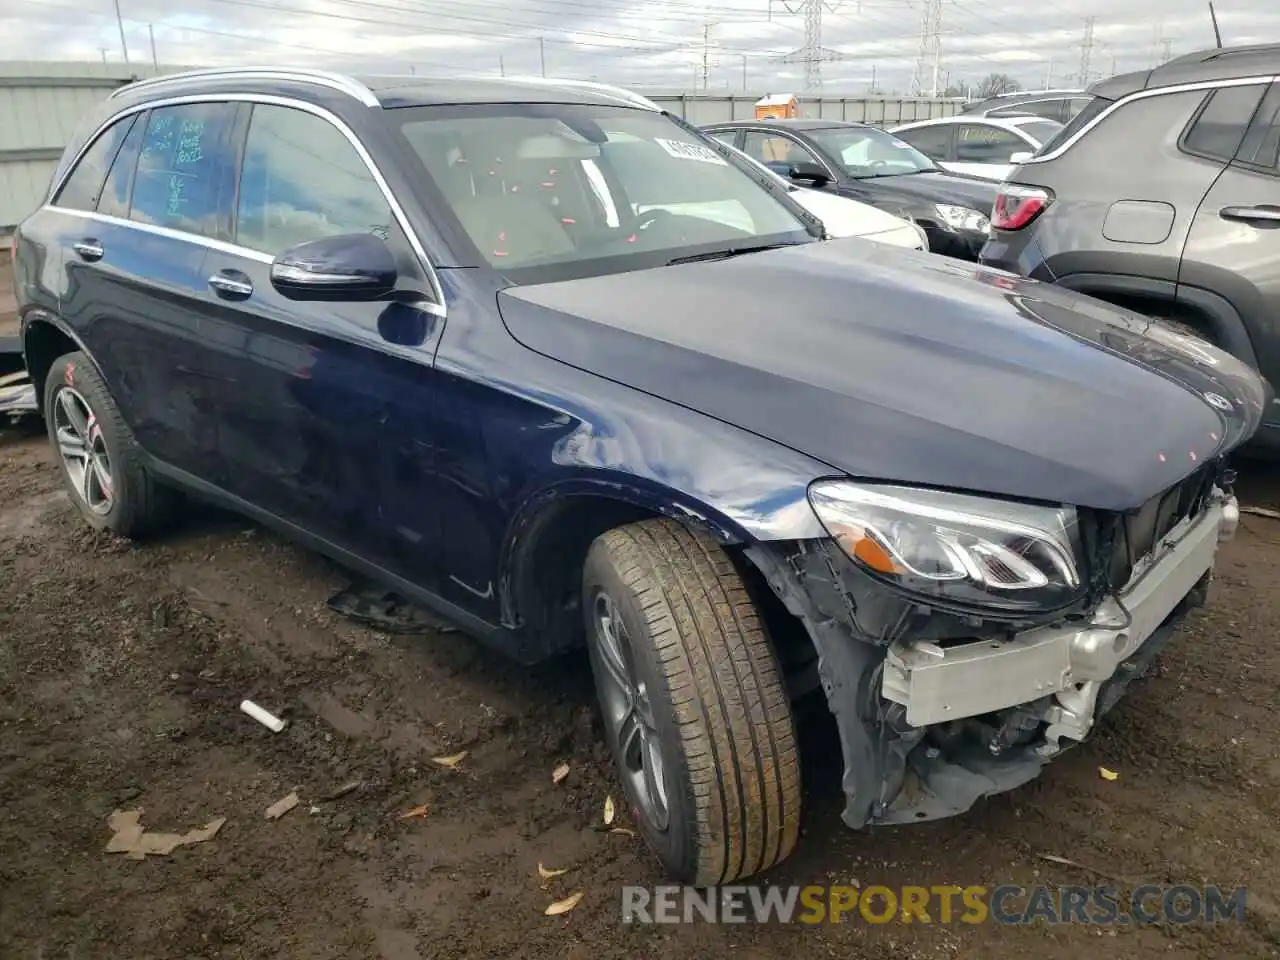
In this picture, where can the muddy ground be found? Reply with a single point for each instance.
(122, 667)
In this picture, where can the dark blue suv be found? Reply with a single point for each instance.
(561, 367)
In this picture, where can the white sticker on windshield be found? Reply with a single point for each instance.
(690, 151)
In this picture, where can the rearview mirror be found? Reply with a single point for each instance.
(351, 266)
(1022, 156)
(807, 170)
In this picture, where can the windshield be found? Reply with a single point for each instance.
(553, 191)
(1041, 131)
(868, 152)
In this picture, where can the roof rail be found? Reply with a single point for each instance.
(629, 96)
(334, 81)
(1217, 53)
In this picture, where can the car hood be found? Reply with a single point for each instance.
(903, 366)
(972, 192)
(844, 217)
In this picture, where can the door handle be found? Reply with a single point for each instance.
(1263, 212)
(88, 249)
(231, 285)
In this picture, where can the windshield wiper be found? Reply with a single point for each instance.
(730, 252)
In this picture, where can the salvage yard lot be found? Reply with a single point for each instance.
(121, 671)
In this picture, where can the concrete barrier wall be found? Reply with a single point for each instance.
(42, 102)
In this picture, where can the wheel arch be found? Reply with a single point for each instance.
(1164, 297)
(45, 338)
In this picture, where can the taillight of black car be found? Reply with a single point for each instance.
(1016, 206)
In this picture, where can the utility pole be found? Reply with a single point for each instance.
(502, 67)
(706, 55)
(872, 89)
(744, 71)
(124, 47)
(812, 54)
(1048, 75)
(151, 32)
(929, 57)
(1086, 51)
(542, 54)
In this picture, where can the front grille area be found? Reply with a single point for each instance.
(1138, 532)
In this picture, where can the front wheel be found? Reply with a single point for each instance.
(694, 705)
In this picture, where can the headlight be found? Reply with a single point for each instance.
(953, 547)
(963, 218)
(924, 237)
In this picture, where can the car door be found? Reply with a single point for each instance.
(985, 150)
(1233, 247)
(324, 408)
(777, 151)
(133, 251)
(933, 140)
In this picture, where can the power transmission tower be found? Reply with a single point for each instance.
(1086, 51)
(1166, 50)
(929, 60)
(813, 54)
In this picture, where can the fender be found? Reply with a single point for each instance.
(33, 320)
(1220, 316)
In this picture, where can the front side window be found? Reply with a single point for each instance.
(866, 152)
(773, 148)
(302, 180)
(1219, 127)
(83, 187)
(981, 143)
(552, 191)
(185, 168)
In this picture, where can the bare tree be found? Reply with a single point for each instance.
(994, 84)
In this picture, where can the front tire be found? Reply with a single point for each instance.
(694, 705)
(101, 463)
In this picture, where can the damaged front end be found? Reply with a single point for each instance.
(962, 642)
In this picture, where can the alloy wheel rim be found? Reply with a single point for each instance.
(83, 450)
(628, 710)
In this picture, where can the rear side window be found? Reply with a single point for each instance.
(303, 180)
(1216, 131)
(978, 143)
(1261, 145)
(115, 192)
(1049, 109)
(185, 169)
(83, 187)
(931, 141)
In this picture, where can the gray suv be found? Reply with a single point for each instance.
(1163, 195)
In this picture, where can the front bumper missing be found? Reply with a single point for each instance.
(927, 729)
(1069, 663)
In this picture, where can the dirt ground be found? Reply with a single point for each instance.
(122, 668)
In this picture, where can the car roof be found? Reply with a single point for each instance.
(787, 123)
(1227, 63)
(388, 91)
(1023, 96)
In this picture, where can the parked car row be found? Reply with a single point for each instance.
(1185, 223)
(573, 373)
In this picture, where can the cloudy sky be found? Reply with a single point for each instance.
(642, 43)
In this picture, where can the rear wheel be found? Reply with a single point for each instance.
(100, 461)
(694, 705)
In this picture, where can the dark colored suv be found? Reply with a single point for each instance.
(1185, 222)
(557, 365)
(870, 165)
